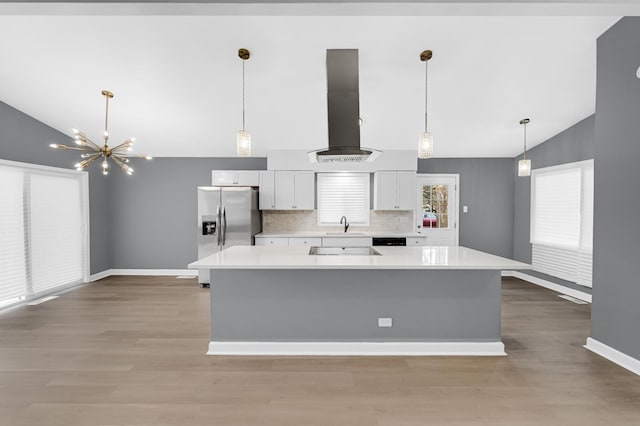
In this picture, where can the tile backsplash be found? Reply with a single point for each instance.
(282, 221)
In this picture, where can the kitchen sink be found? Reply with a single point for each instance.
(344, 234)
(343, 251)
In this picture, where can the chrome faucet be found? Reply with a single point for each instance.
(346, 224)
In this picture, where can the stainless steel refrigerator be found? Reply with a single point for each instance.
(227, 216)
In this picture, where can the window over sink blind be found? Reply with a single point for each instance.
(343, 194)
(562, 221)
(43, 230)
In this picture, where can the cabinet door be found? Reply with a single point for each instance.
(301, 241)
(223, 177)
(347, 241)
(304, 193)
(406, 192)
(416, 241)
(267, 190)
(385, 193)
(267, 241)
(247, 178)
(284, 184)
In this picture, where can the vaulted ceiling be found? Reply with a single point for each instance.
(177, 78)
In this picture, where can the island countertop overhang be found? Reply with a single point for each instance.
(297, 257)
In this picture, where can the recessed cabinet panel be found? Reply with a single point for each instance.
(235, 178)
(266, 241)
(267, 192)
(416, 241)
(394, 191)
(294, 190)
(347, 242)
(300, 241)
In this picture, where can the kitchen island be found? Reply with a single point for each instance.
(404, 301)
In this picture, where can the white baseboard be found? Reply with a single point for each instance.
(613, 355)
(100, 275)
(148, 272)
(358, 348)
(548, 284)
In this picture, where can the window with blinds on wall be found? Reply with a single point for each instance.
(343, 194)
(43, 228)
(562, 221)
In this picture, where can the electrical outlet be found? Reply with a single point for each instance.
(465, 209)
(385, 322)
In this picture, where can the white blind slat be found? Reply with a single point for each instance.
(343, 194)
(13, 277)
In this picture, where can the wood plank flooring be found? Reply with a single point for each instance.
(131, 351)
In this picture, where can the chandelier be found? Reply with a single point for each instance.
(119, 154)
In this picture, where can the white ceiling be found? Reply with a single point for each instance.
(177, 78)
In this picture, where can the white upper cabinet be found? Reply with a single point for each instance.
(394, 191)
(294, 190)
(235, 178)
(267, 194)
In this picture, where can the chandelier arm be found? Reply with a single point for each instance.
(91, 143)
(74, 148)
(125, 168)
(84, 164)
(125, 144)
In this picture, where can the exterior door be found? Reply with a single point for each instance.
(437, 210)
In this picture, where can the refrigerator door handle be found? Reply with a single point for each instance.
(219, 223)
(224, 225)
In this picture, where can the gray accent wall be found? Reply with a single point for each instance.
(615, 316)
(574, 144)
(154, 212)
(25, 139)
(486, 186)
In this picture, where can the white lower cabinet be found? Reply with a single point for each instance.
(299, 241)
(417, 241)
(268, 241)
(347, 241)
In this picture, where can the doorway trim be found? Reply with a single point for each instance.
(418, 211)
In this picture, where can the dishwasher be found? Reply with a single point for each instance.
(390, 241)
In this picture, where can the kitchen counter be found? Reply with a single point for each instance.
(289, 257)
(350, 234)
(408, 301)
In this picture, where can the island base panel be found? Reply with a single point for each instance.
(289, 305)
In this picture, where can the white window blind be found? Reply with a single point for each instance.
(56, 229)
(43, 225)
(343, 194)
(562, 221)
(13, 275)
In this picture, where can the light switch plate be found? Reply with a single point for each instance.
(465, 209)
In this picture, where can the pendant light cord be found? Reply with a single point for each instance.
(243, 95)
(426, 88)
(106, 121)
(524, 155)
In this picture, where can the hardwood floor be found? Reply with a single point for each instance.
(131, 351)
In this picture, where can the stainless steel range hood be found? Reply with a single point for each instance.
(343, 107)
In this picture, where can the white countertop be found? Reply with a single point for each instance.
(354, 234)
(287, 257)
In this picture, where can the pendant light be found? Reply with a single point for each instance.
(243, 138)
(119, 154)
(425, 140)
(524, 165)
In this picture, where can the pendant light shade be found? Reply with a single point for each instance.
(524, 165)
(425, 140)
(243, 138)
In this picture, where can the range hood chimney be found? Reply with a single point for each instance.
(343, 107)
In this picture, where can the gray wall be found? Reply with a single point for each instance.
(486, 186)
(154, 212)
(574, 144)
(615, 316)
(25, 139)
